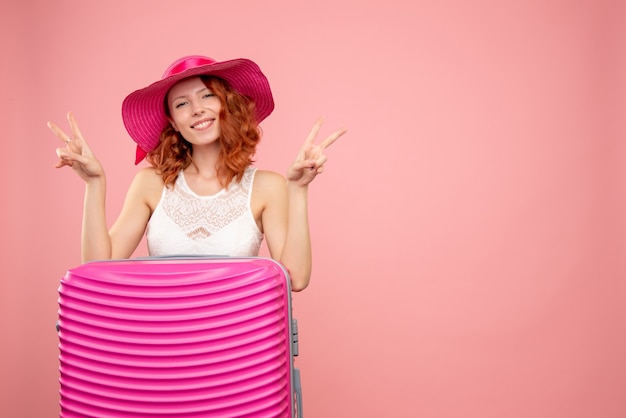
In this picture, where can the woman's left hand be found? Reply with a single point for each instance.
(311, 158)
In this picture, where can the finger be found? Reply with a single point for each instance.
(63, 163)
(74, 126)
(65, 154)
(64, 158)
(332, 138)
(321, 161)
(301, 165)
(59, 133)
(70, 156)
(313, 133)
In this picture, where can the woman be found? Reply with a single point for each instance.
(198, 128)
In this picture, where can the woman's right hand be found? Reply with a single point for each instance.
(76, 153)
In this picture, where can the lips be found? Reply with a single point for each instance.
(202, 124)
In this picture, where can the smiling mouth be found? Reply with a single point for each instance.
(202, 124)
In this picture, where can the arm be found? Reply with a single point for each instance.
(285, 219)
(124, 236)
(96, 242)
(297, 248)
(285, 225)
(143, 195)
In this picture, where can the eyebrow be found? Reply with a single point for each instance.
(184, 96)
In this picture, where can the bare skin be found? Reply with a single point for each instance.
(279, 204)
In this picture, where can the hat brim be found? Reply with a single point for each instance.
(144, 115)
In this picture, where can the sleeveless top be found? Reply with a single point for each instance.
(185, 223)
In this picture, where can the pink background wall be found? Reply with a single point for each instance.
(469, 232)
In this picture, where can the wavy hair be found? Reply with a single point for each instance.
(239, 135)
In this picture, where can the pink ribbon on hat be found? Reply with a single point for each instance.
(186, 63)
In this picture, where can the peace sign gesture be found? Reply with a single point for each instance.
(311, 158)
(76, 153)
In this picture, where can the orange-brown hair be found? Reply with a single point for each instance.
(240, 134)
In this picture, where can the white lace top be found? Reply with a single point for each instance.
(184, 223)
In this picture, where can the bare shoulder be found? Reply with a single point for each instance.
(148, 176)
(268, 191)
(149, 185)
(268, 182)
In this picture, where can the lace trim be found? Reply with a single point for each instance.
(199, 217)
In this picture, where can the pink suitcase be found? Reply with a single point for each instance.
(178, 337)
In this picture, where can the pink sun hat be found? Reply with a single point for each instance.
(143, 111)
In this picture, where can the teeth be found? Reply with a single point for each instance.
(201, 125)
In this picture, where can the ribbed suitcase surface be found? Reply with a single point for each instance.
(196, 337)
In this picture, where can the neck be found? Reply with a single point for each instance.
(204, 159)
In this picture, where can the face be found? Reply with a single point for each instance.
(194, 111)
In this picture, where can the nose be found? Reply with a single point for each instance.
(197, 108)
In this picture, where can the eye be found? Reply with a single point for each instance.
(179, 105)
(207, 95)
